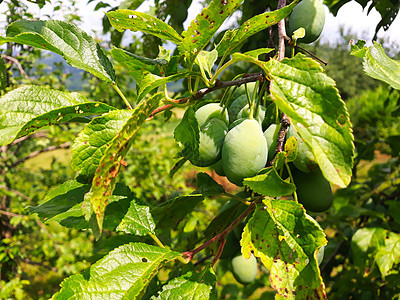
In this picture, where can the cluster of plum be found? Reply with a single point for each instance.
(237, 144)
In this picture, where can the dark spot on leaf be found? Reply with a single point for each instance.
(341, 120)
(144, 259)
(221, 12)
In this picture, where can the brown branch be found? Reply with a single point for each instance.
(26, 137)
(191, 254)
(312, 54)
(218, 85)
(15, 61)
(3, 187)
(281, 33)
(36, 153)
(10, 214)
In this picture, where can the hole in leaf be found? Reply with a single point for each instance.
(144, 260)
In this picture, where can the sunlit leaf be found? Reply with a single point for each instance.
(66, 39)
(138, 220)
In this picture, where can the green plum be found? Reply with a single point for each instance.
(271, 135)
(209, 111)
(244, 151)
(310, 15)
(244, 270)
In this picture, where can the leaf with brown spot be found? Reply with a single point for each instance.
(286, 240)
(104, 182)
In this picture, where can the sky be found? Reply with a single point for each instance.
(350, 15)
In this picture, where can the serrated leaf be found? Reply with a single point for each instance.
(152, 81)
(189, 286)
(389, 255)
(124, 273)
(92, 142)
(208, 186)
(187, 134)
(66, 39)
(172, 213)
(254, 25)
(377, 64)
(269, 183)
(137, 66)
(309, 97)
(206, 59)
(110, 164)
(28, 108)
(286, 241)
(64, 205)
(291, 149)
(138, 220)
(122, 19)
(204, 26)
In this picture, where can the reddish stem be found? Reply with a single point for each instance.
(190, 254)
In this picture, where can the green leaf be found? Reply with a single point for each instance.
(28, 108)
(377, 64)
(205, 60)
(254, 25)
(3, 75)
(92, 142)
(152, 81)
(172, 213)
(302, 91)
(138, 220)
(270, 184)
(66, 39)
(208, 186)
(189, 286)
(124, 273)
(389, 255)
(64, 205)
(109, 166)
(187, 134)
(137, 66)
(128, 19)
(291, 149)
(204, 26)
(286, 240)
(279, 161)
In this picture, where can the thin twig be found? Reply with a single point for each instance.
(15, 61)
(311, 54)
(218, 85)
(3, 187)
(191, 254)
(36, 153)
(10, 214)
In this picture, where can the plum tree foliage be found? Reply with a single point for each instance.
(262, 132)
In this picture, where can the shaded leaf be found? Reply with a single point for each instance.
(3, 75)
(269, 183)
(204, 26)
(128, 19)
(205, 60)
(377, 64)
(66, 39)
(110, 164)
(286, 240)
(137, 220)
(124, 273)
(172, 213)
(208, 186)
(190, 286)
(28, 108)
(187, 134)
(92, 142)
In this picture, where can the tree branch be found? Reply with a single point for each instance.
(36, 153)
(3, 187)
(15, 61)
(218, 85)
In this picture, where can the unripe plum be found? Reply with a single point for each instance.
(212, 135)
(271, 135)
(313, 190)
(236, 106)
(244, 151)
(305, 160)
(245, 113)
(310, 15)
(244, 270)
(209, 111)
